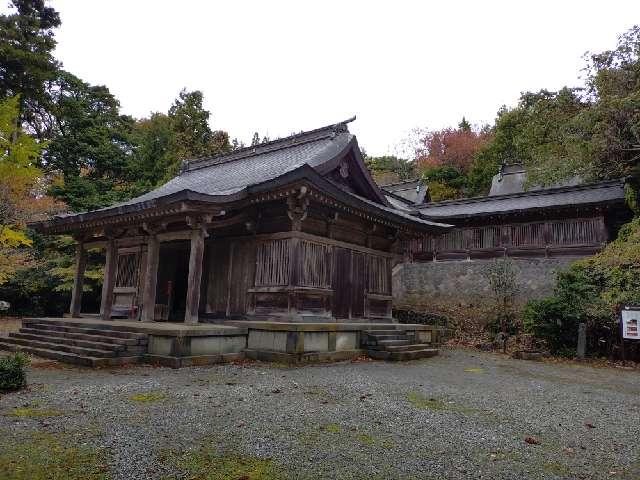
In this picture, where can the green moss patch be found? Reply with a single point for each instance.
(149, 397)
(331, 428)
(555, 468)
(474, 370)
(207, 464)
(420, 401)
(50, 457)
(34, 410)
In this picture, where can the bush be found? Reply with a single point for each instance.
(552, 320)
(591, 292)
(12, 373)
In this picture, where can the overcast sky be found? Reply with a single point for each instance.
(281, 66)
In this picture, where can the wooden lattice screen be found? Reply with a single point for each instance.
(128, 270)
(378, 269)
(272, 263)
(316, 265)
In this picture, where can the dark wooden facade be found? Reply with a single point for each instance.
(311, 243)
(576, 220)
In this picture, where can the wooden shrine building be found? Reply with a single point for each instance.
(571, 219)
(290, 230)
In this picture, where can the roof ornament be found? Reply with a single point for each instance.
(503, 165)
(341, 127)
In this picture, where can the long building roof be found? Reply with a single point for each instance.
(232, 177)
(601, 193)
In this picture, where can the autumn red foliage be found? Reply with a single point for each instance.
(451, 147)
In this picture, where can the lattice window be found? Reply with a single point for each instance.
(452, 240)
(527, 234)
(584, 231)
(485, 237)
(128, 270)
(315, 265)
(272, 263)
(378, 275)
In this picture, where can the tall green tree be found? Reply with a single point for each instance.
(91, 145)
(155, 159)
(191, 125)
(389, 168)
(27, 64)
(613, 88)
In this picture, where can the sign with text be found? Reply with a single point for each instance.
(630, 318)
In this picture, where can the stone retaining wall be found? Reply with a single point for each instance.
(461, 284)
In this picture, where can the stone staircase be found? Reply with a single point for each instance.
(395, 345)
(87, 344)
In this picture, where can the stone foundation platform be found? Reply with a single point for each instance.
(94, 342)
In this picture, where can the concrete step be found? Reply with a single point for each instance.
(390, 343)
(69, 341)
(385, 331)
(397, 336)
(102, 338)
(403, 348)
(88, 352)
(134, 327)
(402, 356)
(68, 357)
(93, 330)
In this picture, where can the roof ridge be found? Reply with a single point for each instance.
(417, 179)
(328, 131)
(544, 191)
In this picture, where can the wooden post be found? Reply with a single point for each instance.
(195, 275)
(78, 280)
(151, 280)
(109, 280)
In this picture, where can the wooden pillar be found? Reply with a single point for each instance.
(109, 280)
(78, 280)
(151, 280)
(195, 275)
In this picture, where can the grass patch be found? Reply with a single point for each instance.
(474, 370)
(365, 439)
(50, 457)
(555, 468)
(207, 464)
(148, 397)
(331, 428)
(420, 401)
(33, 410)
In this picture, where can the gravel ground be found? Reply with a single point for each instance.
(461, 415)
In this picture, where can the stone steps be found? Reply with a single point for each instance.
(89, 352)
(97, 344)
(68, 357)
(403, 356)
(106, 338)
(395, 345)
(87, 329)
(400, 348)
(87, 344)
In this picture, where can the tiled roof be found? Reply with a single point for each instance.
(228, 174)
(590, 194)
(230, 177)
(411, 191)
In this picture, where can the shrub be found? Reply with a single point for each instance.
(591, 291)
(502, 276)
(12, 371)
(552, 320)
